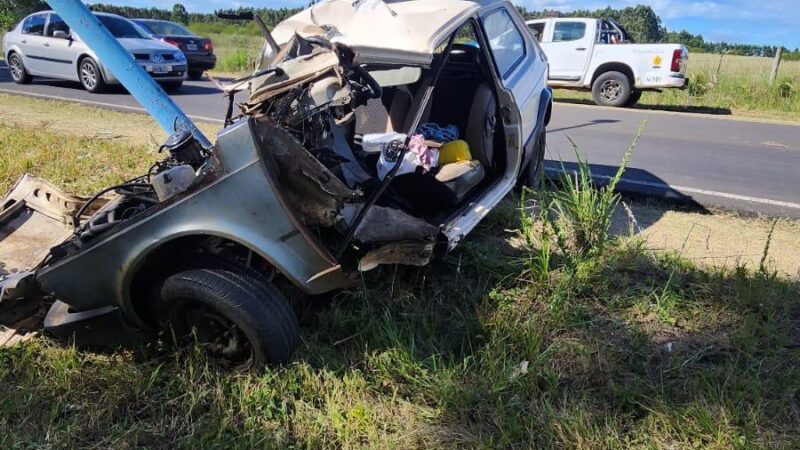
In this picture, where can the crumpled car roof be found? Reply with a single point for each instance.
(403, 32)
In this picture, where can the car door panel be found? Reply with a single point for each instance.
(570, 47)
(31, 44)
(58, 53)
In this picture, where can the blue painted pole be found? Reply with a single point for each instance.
(116, 59)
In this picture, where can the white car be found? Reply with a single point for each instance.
(42, 45)
(599, 55)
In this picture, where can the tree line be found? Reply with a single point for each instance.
(643, 24)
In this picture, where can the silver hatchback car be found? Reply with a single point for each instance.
(43, 45)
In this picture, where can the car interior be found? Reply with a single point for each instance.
(463, 97)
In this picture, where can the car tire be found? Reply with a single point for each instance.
(236, 316)
(611, 89)
(196, 74)
(172, 86)
(17, 69)
(90, 76)
(634, 98)
(532, 174)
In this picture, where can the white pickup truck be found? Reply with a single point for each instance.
(599, 55)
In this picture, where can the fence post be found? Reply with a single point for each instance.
(775, 64)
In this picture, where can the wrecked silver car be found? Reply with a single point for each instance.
(373, 133)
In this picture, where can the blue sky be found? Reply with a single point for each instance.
(748, 21)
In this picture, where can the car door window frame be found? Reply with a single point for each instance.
(47, 32)
(43, 16)
(560, 22)
(516, 28)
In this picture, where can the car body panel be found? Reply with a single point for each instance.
(191, 45)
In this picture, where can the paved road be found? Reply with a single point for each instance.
(702, 160)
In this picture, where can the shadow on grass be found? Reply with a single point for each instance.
(468, 352)
(711, 110)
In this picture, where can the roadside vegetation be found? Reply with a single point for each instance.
(545, 329)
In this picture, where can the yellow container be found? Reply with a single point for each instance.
(455, 151)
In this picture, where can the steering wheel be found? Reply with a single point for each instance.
(365, 83)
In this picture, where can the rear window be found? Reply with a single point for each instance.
(569, 31)
(163, 28)
(538, 30)
(34, 25)
(121, 28)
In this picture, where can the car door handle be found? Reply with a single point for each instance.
(580, 49)
(47, 44)
(24, 41)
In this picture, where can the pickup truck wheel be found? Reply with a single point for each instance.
(237, 318)
(17, 69)
(634, 99)
(611, 89)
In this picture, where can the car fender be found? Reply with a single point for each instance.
(543, 116)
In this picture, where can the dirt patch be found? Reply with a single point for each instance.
(721, 239)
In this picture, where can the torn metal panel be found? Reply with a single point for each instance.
(36, 216)
(315, 192)
(381, 224)
(406, 253)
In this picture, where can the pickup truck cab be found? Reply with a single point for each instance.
(599, 55)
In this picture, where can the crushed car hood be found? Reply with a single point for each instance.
(403, 32)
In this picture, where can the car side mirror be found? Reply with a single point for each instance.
(59, 34)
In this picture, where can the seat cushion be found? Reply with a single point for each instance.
(461, 177)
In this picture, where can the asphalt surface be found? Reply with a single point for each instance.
(702, 160)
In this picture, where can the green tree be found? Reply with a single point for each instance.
(179, 14)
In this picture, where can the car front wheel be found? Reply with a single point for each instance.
(18, 72)
(195, 74)
(90, 76)
(611, 89)
(235, 316)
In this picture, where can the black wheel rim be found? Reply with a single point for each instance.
(15, 67)
(195, 323)
(611, 90)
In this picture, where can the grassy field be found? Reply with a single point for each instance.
(512, 341)
(728, 85)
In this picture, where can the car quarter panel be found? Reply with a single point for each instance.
(241, 204)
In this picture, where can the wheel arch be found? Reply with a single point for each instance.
(614, 67)
(173, 255)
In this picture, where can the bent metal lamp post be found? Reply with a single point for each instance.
(114, 57)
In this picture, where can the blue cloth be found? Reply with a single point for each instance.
(439, 134)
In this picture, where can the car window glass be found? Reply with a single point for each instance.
(163, 28)
(34, 25)
(505, 40)
(569, 31)
(122, 28)
(56, 24)
(538, 30)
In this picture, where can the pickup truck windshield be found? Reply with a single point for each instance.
(122, 28)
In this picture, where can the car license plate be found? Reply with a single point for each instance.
(191, 47)
(162, 69)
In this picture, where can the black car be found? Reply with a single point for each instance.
(199, 51)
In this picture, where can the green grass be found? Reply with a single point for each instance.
(732, 84)
(625, 348)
